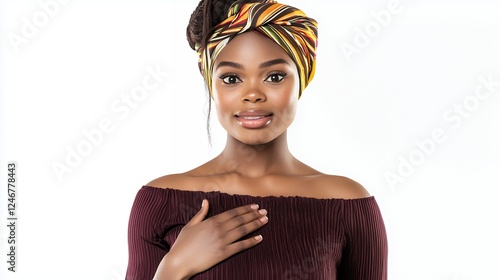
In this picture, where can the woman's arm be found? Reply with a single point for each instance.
(145, 250)
(366, 250)
(169, 270)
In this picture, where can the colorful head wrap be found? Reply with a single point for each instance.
(287, 26)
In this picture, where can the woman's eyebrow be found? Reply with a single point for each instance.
(273, 62)
(230, 64)
(262, 65)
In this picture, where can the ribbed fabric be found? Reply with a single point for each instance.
(305, 238)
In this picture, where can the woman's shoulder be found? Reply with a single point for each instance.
(325, 185)
(181, 181)
(318, 185)
(337, 186)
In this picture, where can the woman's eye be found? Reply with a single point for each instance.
(275, 78)
(230, 79)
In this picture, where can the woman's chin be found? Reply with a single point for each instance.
(256, 138)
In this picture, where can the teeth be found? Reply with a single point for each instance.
(253, 118)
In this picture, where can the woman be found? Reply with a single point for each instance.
(264, 214)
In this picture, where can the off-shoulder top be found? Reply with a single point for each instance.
(305, 238)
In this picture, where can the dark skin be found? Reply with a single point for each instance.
(251, 73)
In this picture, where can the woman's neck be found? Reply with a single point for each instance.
(257, 160)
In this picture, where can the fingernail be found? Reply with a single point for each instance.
(264, 219)
(258, 237)
(263, 211)
(254, 206)
(202, 203)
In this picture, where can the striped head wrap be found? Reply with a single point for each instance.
(287, 26)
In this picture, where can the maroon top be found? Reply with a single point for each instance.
(306, 238)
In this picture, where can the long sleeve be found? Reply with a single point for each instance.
(366, 251)
(306, 238)
(146, 248)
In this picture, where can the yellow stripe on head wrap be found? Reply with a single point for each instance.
(287, 26)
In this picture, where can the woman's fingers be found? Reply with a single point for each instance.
(244, 219)
(246, 228)
(232, 224)
(201, 214)
(235, 223)
(239, 246)
(229, 214)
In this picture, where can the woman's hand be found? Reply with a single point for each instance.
(203, 243)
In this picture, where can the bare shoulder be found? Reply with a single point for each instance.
(172, 181)
(335, 186)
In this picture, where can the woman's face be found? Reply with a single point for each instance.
(255, 87)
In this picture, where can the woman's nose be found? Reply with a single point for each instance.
(254, 95)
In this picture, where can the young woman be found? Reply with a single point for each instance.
(255, 211)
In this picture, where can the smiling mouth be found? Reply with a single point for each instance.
(252, 117)
(254, 121)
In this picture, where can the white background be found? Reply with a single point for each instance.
(361, 117)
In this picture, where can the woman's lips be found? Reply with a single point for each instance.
(253, 118)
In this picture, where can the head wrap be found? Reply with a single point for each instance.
(287, 26)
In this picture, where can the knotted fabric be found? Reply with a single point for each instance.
(287, 26)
